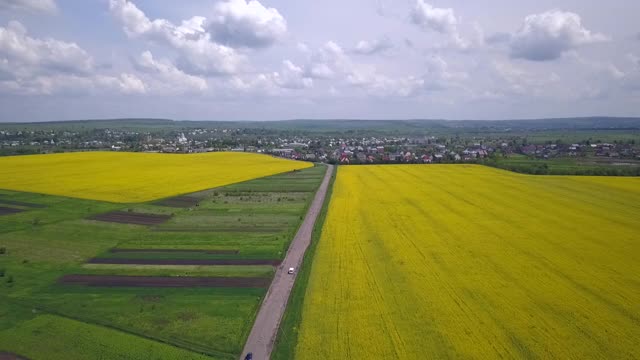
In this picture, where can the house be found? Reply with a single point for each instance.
(529, 149)
(282, 152)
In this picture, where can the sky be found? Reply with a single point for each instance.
(283, 59)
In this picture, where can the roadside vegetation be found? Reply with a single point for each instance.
(287, 337)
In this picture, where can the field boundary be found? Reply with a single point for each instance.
(286, 339)
(265, 327)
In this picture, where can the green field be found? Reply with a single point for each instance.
(588, 165)
(39, 316)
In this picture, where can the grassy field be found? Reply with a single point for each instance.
(590, 165)
(57, 338)
(134, 177)
(41, 244)
(463, 261)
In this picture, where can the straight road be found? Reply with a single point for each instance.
(264, 331)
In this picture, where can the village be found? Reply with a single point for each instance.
(310, 147)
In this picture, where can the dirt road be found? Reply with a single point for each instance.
(265, 329)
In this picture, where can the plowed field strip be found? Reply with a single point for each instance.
(272, 262)
(131, 218)
(162, 281)
(179, 202)
(9, 211)
(220, 229)
(168, 251)
(11, 356)
(21, 203)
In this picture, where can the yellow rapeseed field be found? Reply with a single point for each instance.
(468, 262)
(134, 177)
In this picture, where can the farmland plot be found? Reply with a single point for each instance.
(134, 177)
(472, 262)
(60, 293)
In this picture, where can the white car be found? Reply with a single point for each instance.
(291, 270)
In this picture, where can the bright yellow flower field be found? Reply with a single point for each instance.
(134, 177)
(468, 262)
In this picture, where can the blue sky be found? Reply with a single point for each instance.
(281, 59)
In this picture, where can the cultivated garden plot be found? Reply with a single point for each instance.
(188, 293)
(164, 281)
(124, 217)
(9, 211)
(469, 262)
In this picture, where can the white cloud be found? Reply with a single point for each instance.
(326, 61)
(32, 66)
(28, 55)
(43, 6)
(125, 83)
(376, 84)
(292, 77)
(634, 59)
(607, 78)
(333, 56)
(514, 80)
(165, 78)
(365, 47)
(440, 20)
(303, 48)
(69, 84)
(331, 48)
(331, 62)
(548, 35)
(289, 77)
(198, 53)
(238, 23)
(320, 71)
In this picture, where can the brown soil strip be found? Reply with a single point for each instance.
(219, 229)
(9, 211)
(11, 356)
(179, 202)
(185, 261)
(163, 281)
(168, 251)
(131, 218)
(21, 203)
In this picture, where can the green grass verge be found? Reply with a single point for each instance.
(178, 270)
(289, 326)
